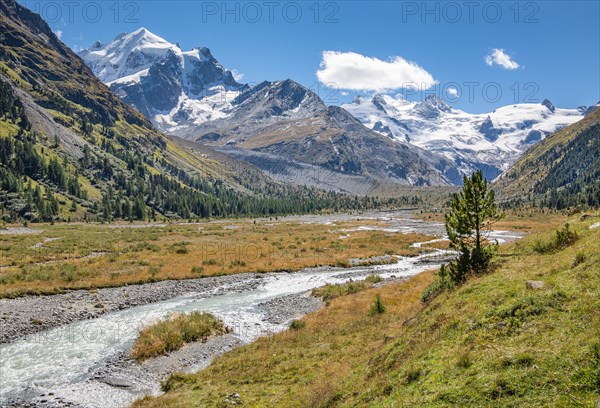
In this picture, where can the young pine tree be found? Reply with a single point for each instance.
(472, 213)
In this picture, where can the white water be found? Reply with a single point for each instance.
(60, 360)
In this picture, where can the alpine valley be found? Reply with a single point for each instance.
(173, 237)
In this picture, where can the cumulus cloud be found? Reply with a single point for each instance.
(59, 34)
(350, 70)
(452, 91)
(500, 57)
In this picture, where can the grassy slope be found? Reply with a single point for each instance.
(521, 178)
(490, 343)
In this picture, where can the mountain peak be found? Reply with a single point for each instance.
(549, 105)
(379, 102)
(431, 107)
(438, 102)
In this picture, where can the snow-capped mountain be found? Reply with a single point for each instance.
(489, 141)
(285, 123)
(191, 95)
(174, 88)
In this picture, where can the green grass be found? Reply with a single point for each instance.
(174, 332)
(330, 291)
(491, 342)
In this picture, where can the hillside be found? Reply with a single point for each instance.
(561, 171)
(492, 342)
(72, 150)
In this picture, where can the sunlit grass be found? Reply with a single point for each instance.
(491, 342)
(173, 332)
(81, 256)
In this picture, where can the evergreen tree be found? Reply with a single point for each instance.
(472, 213)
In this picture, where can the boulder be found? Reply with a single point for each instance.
(534, 285)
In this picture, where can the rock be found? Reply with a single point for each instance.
(585, 217)
(118, 382)
(534, 285)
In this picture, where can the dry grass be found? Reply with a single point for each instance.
(529, 221)
(180, 251)
(173, 332)
(305, 367)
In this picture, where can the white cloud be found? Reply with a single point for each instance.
(500, 57)
(238, 76)
(59, 34)
(452, 91)
(349, 70)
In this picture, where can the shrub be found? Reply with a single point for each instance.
(378, 307)
(171, 333)
(413, 375)
(329, 292)
(197, 269)
(153, 270)
(464, 361)
(297, 324)
(579, 259)
(373, 279)
(563, 238)
(209, 262)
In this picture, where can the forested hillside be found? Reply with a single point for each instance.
(73, 150)
(561, 171)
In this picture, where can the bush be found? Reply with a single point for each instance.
(579, 259)
(464, 361)
(297, 324)
(563, 238)
(171, 333)
(378, 307)
(413, 375)
(197, 269)
(373, 279)
(329, 292)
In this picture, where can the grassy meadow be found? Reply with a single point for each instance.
(85, 256)
(491, 342)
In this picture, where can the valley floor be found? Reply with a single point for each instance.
(491, 342)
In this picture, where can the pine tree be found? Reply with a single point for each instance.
(472, 213)
(377, 307)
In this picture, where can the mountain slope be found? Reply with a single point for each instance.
(171, 87)
(287, 120)
(563, 170)
(489, 141)
(71, 149)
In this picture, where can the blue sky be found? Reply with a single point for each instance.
(534, 50)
